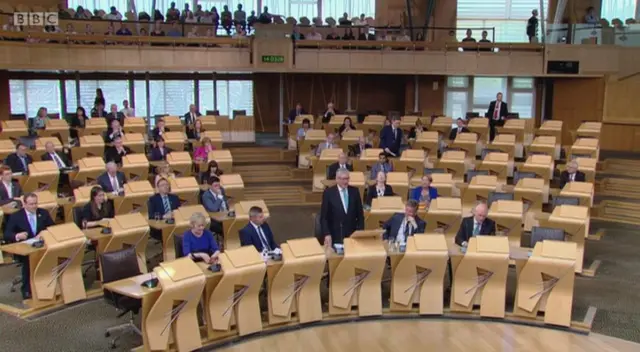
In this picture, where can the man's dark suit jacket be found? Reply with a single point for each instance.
(564, 178)
(18, 222)
(47, 157)
(250, 237)
(333, 219)
(366, 36)
(326, 117)
(4, 195)
(454, 132)
(156, 206)
(105, 182)
(465, 231)
(117, 116)
(112, 154)
(392, 226)
(333, 168)
(356, 150)
(13, 161)
(372, 193)
(187, 118)
(504, 111)
(156, 155)
(156, 132)
(294, 113)
(388, 140)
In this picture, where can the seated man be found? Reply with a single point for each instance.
(215, 201)
(358, 149)
(25, 224)
(400, 226)
(299, 110)
(159, 130)
(10, 190)
(114, 131)
(383, 165)
(198, 243)
(328, 144)
(571, 174)
(52, 155)
(117, 152)
(477, 225)
(391, 138)
(341, 164)
(20, 160)
(162, 204)
(113, 180)
(257, 233)
(115, 115)
(461, 127)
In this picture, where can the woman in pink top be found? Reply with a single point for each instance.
(202, 152)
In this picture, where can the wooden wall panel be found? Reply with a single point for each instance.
(430, 94)
(5, 99)
(577, 100)
(621, 102)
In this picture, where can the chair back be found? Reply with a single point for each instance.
(178, 246)
(518, 175)
(560, 200)
(434, 171)
(486, 152)
(493, 196)
(472, 173)
(77, 216)
(119, 265)
(545, 233)
(317, 228)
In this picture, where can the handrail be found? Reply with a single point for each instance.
(452, 46)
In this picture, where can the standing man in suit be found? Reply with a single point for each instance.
(257, 233)
(10, 190)
(20, 160)
(402, 225)
(341, 213)
(117, 151)
(498, 110)
(113, 180)
(25, 224)
(571, 174)
(341, 164)
(391, 138)
(191, 116)
(299, 110)
(328, 144)
(477, 225)
(163, 203)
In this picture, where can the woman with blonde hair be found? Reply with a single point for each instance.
(202, 152)
(198, 243)
(163, 171)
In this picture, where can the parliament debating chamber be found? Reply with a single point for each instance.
(323, 175)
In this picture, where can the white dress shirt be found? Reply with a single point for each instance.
(340, 190)
(114, 183)
(263, 237)
(9, 188)
(128, 112)
(57, 160)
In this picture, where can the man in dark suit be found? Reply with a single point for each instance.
(117, 152)
(341, 164)
(191, 116)
(10, 190)
(257, 233)
(160, 151)
(20, 160)
(402, 225)
(114, 131)
(461, 127)
(571, 174)
(159, 131)
(115, 115)
(365, 35)
(98, 111)
(52, 155)
(391, 138)
(341, 212)
(163, 203)
(498, 110)
(299, 110)
(358, 149)
(477, 225)
(113, 180)
(25, 224)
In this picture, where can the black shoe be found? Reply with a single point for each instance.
(26, 295)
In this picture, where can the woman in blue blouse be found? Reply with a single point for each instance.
(198, 243)
(424, 193)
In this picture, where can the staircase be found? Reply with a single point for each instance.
(270, 174)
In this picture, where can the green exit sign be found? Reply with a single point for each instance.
(273, 59)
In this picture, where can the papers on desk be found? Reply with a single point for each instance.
(31, 241)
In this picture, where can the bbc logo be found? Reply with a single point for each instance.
(35, 18)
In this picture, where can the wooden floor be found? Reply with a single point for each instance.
(450, 336)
